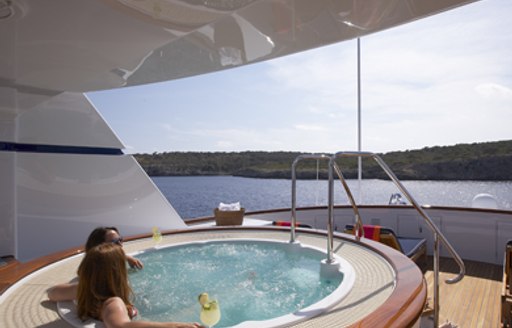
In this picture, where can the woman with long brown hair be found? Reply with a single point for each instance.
(104, 293)
(100, 235)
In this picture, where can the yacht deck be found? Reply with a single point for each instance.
(380, 294)
(474, 302)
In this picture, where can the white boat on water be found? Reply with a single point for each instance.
(63, 169)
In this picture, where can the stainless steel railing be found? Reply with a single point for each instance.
(294, 193)
(359, 232)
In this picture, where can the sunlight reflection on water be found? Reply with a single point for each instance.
(197, 196)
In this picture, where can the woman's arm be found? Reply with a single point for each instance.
(63, 292)
(134, 262)
(115, 315)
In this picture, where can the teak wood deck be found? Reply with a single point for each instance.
(472, 302)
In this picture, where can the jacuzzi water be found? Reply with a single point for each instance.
(253, 280)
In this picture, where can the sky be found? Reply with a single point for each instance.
(442, 80)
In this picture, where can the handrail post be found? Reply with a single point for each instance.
(438, 236)
(358, 228)
(330, 213)
(294, 201)
(436, 279)
(294, 190)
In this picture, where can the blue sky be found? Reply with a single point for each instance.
(443, 80)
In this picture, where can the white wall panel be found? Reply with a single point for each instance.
(504, 234)
(8, 113)
(65, 119)
(62, 197)
(7, 204)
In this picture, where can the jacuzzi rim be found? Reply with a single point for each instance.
(304, 314)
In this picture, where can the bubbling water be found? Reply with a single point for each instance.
(251, 279)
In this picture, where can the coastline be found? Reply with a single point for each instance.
(466, 162)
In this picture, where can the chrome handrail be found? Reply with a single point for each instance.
(427, 218)
(358, 228)
(294, 187)
(438, 235)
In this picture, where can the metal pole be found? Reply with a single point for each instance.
(294, 201)
(330, 219)
(359, 159)
(436, 280)
(294, 189)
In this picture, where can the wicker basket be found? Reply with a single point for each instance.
(225, 218)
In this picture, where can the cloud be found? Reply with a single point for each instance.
(441, 80)
(309, 127)
(436, 81)
(494, 90)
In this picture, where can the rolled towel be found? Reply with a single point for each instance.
(229, 207)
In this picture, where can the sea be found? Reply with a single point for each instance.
(197, 196)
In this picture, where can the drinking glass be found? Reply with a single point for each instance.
(157, 235)
(210, 313)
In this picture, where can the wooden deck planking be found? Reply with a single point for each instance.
(477, 301)
(472, 302)
(495, 303)
(486, 317)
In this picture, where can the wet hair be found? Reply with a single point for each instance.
(97, 236)
(102, 275)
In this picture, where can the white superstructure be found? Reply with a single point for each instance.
(62, 169)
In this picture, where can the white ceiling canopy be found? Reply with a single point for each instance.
(76, 45)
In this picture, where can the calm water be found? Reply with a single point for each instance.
(251, 281)
(198, 196)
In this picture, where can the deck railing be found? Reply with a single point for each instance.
(359, 232)
(294, 194)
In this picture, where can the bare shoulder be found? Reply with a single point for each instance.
(113, 301)
(114, 305)
(114, 312)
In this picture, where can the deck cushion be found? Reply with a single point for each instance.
(414, 248)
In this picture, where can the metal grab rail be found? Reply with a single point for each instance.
(358, 228)
(438, 235)
(359, 232)
(330, 215)
(330, 258)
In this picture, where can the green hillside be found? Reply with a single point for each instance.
(477, 161)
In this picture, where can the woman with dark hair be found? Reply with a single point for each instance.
(98, 236)
(104, 293)
(110, 235)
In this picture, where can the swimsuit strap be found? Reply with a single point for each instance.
(132, 311)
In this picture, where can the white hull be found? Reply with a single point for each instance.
(475, 234)
(51, 200)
